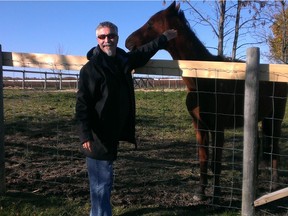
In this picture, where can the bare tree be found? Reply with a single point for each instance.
(230, 21)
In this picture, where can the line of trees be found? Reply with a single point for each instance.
(242, 24)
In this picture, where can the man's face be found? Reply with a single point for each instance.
(107, 40)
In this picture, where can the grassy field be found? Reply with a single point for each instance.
(46, 173)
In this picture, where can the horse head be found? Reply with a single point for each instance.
(185, 47)
(154, 27)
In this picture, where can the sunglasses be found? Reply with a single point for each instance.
(109, 36)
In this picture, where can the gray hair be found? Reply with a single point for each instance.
(107, 24)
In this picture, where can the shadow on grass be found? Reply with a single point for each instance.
(198, 210)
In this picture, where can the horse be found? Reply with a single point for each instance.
(214, 105)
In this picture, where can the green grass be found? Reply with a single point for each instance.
(27, 204)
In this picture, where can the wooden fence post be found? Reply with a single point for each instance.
(250, 131)
(2, 153)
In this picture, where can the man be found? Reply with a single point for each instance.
(105, 107)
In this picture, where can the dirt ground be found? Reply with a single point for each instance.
(145, 176)
(164, 175)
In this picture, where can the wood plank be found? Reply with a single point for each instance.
(185, 68)
(219, 70)
(49, 61)
(271, 197)
(160, 67)
(274, 72)
(207, 69)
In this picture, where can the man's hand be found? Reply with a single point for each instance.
(170, 34)
(87, 146)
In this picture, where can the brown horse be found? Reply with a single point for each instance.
(214, 104)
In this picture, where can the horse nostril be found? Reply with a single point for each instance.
(130, 46)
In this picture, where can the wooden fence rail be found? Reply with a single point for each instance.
(54, 77)
(216, 70)
(60, 80)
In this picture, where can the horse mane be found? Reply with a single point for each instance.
(187, 27)
(196, 41)
(183, 18)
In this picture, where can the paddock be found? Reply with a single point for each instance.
(166, 142)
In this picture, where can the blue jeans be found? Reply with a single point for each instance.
(100, 175)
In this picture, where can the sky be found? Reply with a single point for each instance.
(68, 27)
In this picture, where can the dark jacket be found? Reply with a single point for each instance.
(102, 80)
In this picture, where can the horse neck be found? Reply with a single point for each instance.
(189, 47)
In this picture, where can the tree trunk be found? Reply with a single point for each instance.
(222, 4)
(236, 34)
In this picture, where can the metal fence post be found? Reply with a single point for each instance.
(77, 80)
(250, 131)
(2, 152)
(60, 81)
(45, 82)
(23, 80)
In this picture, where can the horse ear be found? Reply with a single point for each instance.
(173, 6)
(177, 7)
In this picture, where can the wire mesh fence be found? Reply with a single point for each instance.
(42, 150)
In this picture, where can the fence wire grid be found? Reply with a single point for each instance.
(42, 148)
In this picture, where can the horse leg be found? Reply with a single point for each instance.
(202, 139)
(271, 128)
(271, 133)
(216, 163)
